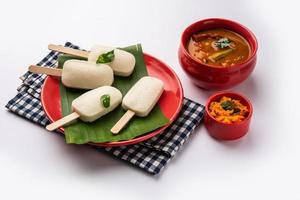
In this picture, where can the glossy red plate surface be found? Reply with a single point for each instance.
(170, 101)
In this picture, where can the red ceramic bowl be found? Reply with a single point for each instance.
(211, 77)
(223, 131)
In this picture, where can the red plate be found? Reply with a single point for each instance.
(170, 101)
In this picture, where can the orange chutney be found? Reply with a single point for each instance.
(219, 47)
(228, 110)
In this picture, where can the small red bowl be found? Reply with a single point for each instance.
(211, 77)
(223, 131)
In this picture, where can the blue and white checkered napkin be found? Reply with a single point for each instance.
(151, 155)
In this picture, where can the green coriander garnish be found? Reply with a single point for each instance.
(106, 57)
(227, 105)
(223, 43)
(105, 100)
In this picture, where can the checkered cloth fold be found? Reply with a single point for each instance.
(151, 155)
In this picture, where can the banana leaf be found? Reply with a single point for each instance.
(99, 130)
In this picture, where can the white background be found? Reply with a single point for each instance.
(265, 164)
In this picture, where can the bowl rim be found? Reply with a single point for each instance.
(228, 93)
(249, 59)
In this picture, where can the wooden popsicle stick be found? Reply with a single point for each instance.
(59, 123)
(45, 70)
(67, 50)
(122, 122)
